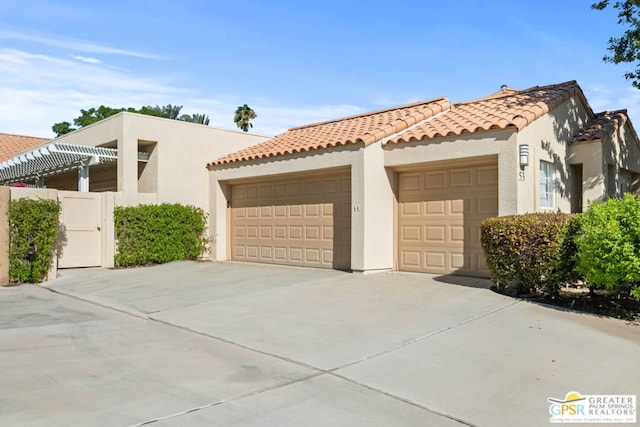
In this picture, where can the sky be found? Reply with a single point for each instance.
(293, 62)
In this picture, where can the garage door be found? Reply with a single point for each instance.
(304, 221)
(439, 214)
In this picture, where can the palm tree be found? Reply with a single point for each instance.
(243, 117)
(202, 119)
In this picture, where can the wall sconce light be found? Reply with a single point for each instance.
(524, 155)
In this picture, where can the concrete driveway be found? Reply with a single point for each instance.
(255, 345)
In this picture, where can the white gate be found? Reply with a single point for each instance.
(82, 236)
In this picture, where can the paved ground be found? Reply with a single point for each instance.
(232, 344)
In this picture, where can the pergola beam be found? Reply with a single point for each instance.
(56, 158)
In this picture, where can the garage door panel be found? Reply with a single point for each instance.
(487, 175)
(266, 211)
(266, 253)
(486, 205)
(434, 181)
(312, 232)
(435, 207)
(240, 250)
(301, 222)
(411, 208)
(411, 182)
(459, 206)
(436, 260)
(253, 252)
(252, 192)
(239, 231)
(411, 233)
(411, 258)
(459, 261)
(279, 253)
(458, 234)
(312, 255)
(461, 178)
(296, 254)
(439, 215)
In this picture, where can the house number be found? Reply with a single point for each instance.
(521, 176)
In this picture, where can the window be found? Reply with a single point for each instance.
(547, 190)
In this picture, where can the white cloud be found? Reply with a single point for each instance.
(86, 59)
(39, 90)
(75, 45)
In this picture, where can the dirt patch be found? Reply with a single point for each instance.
(579, 298)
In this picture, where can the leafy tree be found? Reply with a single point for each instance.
(93, 115)
(62, 128)
(627, 47)
(244, 115)
(201, 119)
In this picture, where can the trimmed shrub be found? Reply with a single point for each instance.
(609, 245)
(33, 224)
(156, 234)
(531, 252)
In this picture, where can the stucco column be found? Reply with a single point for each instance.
(4, 235)
(128, 164)
(508, 170)
(109, 202)
(218, 218)
(371, 211)
(594, 170)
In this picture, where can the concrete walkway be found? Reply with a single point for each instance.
(256, 345)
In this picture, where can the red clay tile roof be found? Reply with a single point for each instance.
(602, 127)
(509, 108)
(365, 128)
(10, 145)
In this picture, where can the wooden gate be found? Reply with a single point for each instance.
(81, 219)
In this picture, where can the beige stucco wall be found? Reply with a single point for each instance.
(594, 169)
(623, 153)
(179, 158)
(372, 199)
(500, 143)
(548, 139)
(4, 235)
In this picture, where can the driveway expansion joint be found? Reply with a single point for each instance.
(425, 336)
(231, 399)
(401, 399)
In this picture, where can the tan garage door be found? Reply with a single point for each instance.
(304, 221)
(439, 214)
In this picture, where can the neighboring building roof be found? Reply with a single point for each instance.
(10, 145)
(602, 126)
(365, 128)
(509, 108)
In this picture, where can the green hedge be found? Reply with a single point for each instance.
(531, 252)
(155, 234)
(33, 224)
(608, 245)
